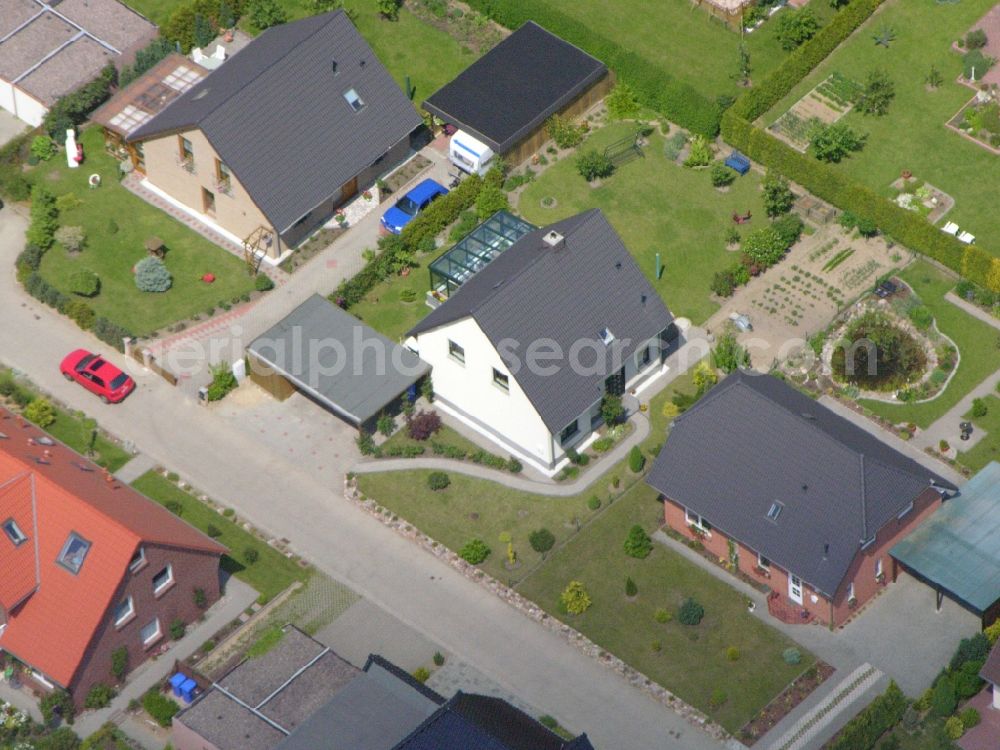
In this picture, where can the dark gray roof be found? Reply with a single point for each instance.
(566, 294)
(480, 722)
(318, 339)
(754, 440)
(276, 115)
(373, 712)
(511, 90)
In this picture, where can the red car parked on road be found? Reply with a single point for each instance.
(97, 375)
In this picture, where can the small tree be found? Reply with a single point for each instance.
(541, 540)
(975, 39)
(704, 377)
(593, 164)
(943, 699)
(622, 102)
(100, 695)
(691, 612)
(84, 282)
(263, 14)
(636, 460)
(43, 148)
(423, 425)
(637, 543)
(700, 154)
(728, 355)
(631, 590)
(612, 410)
(474, 551)
(57, 703)
(831, 143)
(743, 67)
(878, 93)
(41, 412)
(119, 663)
(934, 79)
(575, 598)
(796, 28)
(44, 218)
(778, 198)
(979, 408)
(562, 130)
(151, 275)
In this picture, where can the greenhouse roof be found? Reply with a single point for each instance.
(484, 243)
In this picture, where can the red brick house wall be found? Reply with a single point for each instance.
(861, 571)
(191, 570)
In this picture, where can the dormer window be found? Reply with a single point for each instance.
(354, 100)
(774, 511)
(73, 553)
(138, 559)
(13, 532)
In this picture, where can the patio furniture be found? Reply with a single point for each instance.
(950, 228)
(967, 238)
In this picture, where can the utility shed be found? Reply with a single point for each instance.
(957, 550)
(504, 98)
(334, 359)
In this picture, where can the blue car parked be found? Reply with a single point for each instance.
(411, 204)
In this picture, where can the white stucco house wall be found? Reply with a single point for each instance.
(524, 351)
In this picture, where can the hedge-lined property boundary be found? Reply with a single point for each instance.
(826, 182)
(655, 87)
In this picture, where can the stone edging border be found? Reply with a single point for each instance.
(531, 610)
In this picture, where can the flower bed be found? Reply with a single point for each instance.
(783, 705)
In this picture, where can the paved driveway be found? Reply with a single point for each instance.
(10, 126)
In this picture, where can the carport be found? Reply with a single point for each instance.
(336, 361)
(957, 550)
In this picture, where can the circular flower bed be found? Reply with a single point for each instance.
(876, 353)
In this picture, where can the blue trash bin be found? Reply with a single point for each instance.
(187, 690)
(175, 683)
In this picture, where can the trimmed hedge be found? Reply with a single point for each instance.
(654, 86)
(832, 185)
(881, 715)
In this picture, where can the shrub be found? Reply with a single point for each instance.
(438, 659)
(722, 175)
(796, 27)
(159, 707)
(74, 108)
(44, 218)
(593, 164)
(878, 93)
(200, 598)
(622, 102)
(177, 629)
(151, 275)
(970, 717)
(110, 333)
(474, 551)
(976, 648)
(691, 612)
(967, 681)
(438, 480)
(119, 663)
(778, 197)
(385, 424)
(71, 237)
(700, 154)
(251, 555)
(662, 615)
(148, 56)
(223, 381)
(636, 460)
(213, 531)
(723, 283)
(84, 282)
(514, 466)
(563, 131)
(637, 543)
(954, 728)
(366, 443)
(975, 39)
(765, 246)
(41, 412)
(263, 283)
(791, 656)
(943, 699)
(575, 598)
(704, 377)
(728, 355)
(979, 408)
(491, 199)
(732, 654)
(43, 148)
(423, 425)
(541, 540)
(612, 410)
(263, 14)
(876, 719)
(631, 590)
(100, 695)
(717, 698)
(921, 316)
(789, 228)
(593, 502)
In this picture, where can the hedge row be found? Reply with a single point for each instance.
(395, 253)
(656, 88)
(881, 715)
(73, 109)
(832, 185)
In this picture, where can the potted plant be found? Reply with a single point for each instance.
(340, 218)
(367, 195)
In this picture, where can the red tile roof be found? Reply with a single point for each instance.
(52, 491)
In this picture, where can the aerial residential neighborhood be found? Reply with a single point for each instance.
(499, 375)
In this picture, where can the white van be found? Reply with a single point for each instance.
(469, 154)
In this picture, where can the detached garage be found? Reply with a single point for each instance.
(336, 361)
(957, 550)
(504, 98)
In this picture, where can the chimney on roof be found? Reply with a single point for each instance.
(642, 298)
(826, 550)
(333, 66)
(553, 239)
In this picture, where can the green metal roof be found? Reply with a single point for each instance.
(958, 548)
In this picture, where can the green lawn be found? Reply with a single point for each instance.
(111, 253)
(445, 435)
(988, 448)
(657, 207)
(692, 662)
(75, 429)
(913, 135)
(407, 47)
(976, 341)
(383, 308)
(684, 40)
(271, 574)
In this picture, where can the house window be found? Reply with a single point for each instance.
(456, 352)
(850, 591)
(501, 381)
(163, 579)
(571, 431)
(208, 201)
(13, 532)
(124, 610)
(73, 553)
(150, 632)
(223, 177)
(693, 519)
(138, 559)
(644, 356)
(762, 562)
(186, 155)
(354, 100)
(774, 511)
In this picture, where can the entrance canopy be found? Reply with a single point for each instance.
(337, 360)
(957, 550)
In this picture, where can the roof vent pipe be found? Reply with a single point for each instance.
(826, 550)
(333, 66)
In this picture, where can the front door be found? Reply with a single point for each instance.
(795, 589)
